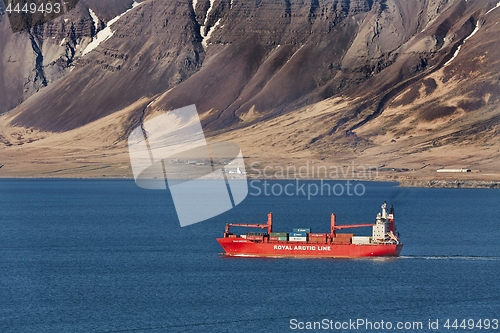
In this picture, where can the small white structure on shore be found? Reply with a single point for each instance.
(237, 171)
(454, 170)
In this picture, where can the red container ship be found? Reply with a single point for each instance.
(301, 243)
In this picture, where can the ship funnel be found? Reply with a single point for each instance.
(392, 222)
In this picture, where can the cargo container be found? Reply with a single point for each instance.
(297, 239)
(317, 241)
(298, 234)
(277, 239)
(317, 238)
(361, 240)
(339, 235)
(255, 238)
(343, 240)
(279, 234)
(256, 233)
(317, 235)
(306, 230)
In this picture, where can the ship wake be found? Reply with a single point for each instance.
(454, 257)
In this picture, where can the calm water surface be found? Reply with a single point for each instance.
(107, 256)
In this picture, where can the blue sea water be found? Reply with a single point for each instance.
(107, 256)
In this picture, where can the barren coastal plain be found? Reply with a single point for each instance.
(273, 149)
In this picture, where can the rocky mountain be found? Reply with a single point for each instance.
(365, 78)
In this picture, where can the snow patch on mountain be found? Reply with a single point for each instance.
(460, 46)
(492, 9)
(209, 10)
(106, 33)
(204, 42)
(204, 32)
(95, 18)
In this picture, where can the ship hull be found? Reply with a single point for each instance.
(247, 248)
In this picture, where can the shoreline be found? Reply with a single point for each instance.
(406, 183)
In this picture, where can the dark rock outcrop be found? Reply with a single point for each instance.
(242, 61)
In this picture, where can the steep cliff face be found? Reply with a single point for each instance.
(36, 57)
(266, 58)
(146, 52)
(278, 54)
(262, 57)
(401, 66)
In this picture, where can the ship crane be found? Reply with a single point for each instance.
(348, 226)
(268, 225)
(334, 227)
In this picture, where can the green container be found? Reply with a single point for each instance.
(282, 238)
(278, 234)
(256, 233)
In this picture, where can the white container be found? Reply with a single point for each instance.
(361, 240)
(297, 239)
